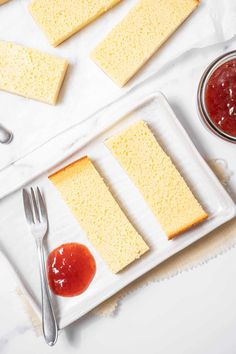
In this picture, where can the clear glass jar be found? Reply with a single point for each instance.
(205, 117)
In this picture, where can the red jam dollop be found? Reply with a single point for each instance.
(220, 97)
(71, 268)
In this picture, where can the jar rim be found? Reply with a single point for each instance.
(205, 117)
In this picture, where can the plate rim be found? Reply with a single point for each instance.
(226, 215)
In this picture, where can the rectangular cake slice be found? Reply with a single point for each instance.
(31, 73)
(60, 19)
(139, 35)
(105, 224)
(156, 177)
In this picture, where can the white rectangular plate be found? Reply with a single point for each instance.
(156, 111)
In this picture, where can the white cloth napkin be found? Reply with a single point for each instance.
(86, 87)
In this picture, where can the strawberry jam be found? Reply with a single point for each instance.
(71, 268)
(220, 97)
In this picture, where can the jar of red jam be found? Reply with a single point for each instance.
(217, 97)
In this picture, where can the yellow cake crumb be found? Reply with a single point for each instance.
(31, 73)
(139, 35)
(105, 224)
(60, 19)
(156, 177)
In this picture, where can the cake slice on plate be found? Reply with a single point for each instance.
(105, 224)
(156, 177)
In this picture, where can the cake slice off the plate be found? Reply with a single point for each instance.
(154, 174)
(139, 35)
(31, 73)
(105, 224)
(60, 19)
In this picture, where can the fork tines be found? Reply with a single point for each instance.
(35, 210)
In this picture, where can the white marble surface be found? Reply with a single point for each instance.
(191, 313)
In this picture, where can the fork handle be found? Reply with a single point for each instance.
(50, 329)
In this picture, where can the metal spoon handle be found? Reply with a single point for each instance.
(5, 135)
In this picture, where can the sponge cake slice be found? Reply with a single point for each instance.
(156, 177)
(105, 224)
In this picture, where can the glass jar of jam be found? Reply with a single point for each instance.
(217, 97)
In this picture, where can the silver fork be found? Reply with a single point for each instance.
(36, 216)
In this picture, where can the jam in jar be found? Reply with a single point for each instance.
(217, 97)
